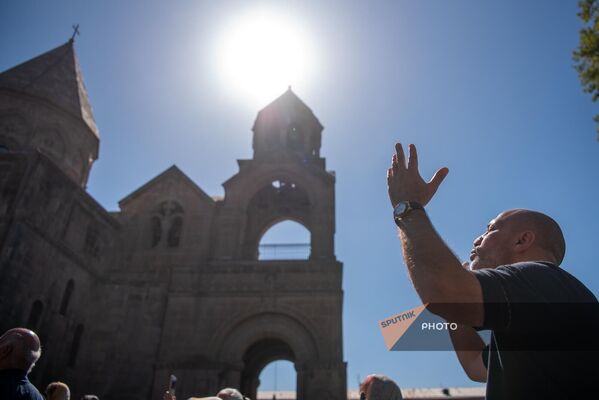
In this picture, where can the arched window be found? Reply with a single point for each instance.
(35, 315)
(168, 215)
(66, 297)
(156, 231)
(174, 233)
(287, 240)
(75, 345)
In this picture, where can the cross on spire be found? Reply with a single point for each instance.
(75, 32)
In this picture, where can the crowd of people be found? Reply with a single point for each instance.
(20, 348)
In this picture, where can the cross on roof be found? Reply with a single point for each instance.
(75, 31)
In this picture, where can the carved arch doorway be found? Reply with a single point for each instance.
(257, 357)
(248, 346)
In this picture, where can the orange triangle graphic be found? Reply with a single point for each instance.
(395, 326)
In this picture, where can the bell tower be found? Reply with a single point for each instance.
(287, 128)
(285, 180)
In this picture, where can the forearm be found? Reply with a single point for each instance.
(468, 346)
(437, 275)
(434, 270)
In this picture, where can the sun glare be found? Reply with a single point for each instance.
(260, 54)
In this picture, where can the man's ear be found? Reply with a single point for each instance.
(525, 240)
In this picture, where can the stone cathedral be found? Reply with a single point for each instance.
(171, 283)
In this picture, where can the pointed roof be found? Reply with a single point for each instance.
(284, 104)
(54, 76)
(172, 172)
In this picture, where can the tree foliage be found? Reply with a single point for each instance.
(586, 56)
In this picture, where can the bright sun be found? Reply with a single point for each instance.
(260, 54)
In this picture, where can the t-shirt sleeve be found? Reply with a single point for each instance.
(496, 303)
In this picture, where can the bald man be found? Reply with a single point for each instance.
(224, 394)
(20, 349)
(230, 394)
(58, 391)
(543, 321)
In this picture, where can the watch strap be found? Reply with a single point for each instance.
(411, 205)
(414, 205)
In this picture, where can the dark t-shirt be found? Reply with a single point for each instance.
(14, 385)
(545, 331)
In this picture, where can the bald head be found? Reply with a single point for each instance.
(58, 391)
(20, 348)
(229, 394)
(548, 236)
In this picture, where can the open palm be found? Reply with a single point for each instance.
(404, 181)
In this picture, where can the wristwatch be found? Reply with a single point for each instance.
(403, 208)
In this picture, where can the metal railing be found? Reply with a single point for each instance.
(284, 251)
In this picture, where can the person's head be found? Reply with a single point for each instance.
(204, 398)
(20, 348)
(379, 387)
(58, 391)
(229, 394)
(518, 235)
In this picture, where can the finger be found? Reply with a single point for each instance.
(394, 163)
(389, 173)
(401, 158)
(438, 178)
(413, 158)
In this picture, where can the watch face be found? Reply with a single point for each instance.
(400, 209)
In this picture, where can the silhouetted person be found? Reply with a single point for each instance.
(205, 398)
(20, 349)
(379, 387)
(168, 396)
(223, 394)
(57, 391)
(230, 394)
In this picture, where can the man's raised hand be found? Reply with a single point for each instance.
(404, 181)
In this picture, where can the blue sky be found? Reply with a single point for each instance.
(485, 88)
